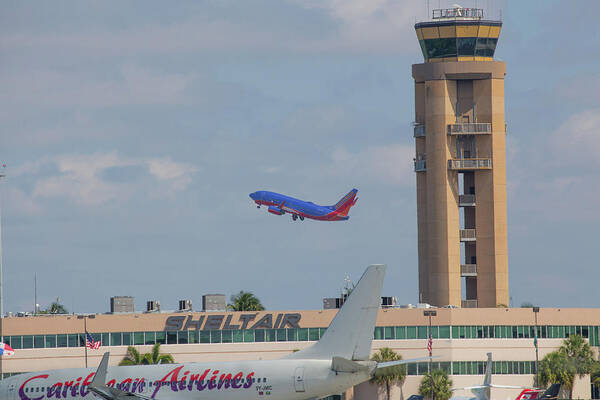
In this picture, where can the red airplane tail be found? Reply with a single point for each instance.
(343, 206)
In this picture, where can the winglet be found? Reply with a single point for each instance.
(100, 376)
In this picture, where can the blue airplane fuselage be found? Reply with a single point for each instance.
(280, 204)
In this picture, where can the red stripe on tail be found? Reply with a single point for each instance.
(345, 207)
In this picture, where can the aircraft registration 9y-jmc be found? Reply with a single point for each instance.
(280, 204)
(339, 360)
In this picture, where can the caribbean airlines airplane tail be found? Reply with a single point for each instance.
(336, 362)
(350, 333)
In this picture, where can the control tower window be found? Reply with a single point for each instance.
(466, 46)
(441, 47)
(485, 47)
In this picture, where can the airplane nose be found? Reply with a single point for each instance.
(253, 196)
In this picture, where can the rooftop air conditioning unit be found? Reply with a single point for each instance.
(185, 305)
(152, 306)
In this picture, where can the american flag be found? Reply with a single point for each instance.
(429, 345)
(91, 343)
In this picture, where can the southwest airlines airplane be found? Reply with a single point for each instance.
(280, 204)
(330, 366)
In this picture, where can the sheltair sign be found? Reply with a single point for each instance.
(233, 322)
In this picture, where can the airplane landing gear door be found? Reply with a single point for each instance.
(299, 379)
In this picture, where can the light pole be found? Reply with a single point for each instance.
(2, 175)
(430, 313)
(85, 332)
(536, 310)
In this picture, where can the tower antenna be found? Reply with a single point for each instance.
(2, 175)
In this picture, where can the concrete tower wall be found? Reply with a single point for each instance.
(448, 93)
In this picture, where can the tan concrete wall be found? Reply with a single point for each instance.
(437, 203)
(441, 225)
(132, 322)
(311, 318)
(492, 249)
(422, 237)
(369, 390)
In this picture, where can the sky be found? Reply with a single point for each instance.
(133, 133)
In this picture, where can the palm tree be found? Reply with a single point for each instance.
(579, 356)
(155, 357)
(133, 357)
(595, 375)
(441, 385)
(574, 357)
(388, 376)
(245, 301)
(579, 353)
(555, 368)
(55, 308)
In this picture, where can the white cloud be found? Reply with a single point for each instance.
(165, 169)
(369, 25)
(577, 140)
(80, 178)
(558, 175)
(363, 25)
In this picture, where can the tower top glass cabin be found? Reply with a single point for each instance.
(458, 34)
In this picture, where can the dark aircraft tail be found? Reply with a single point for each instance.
(552, 392)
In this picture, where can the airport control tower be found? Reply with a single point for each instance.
(460, 161)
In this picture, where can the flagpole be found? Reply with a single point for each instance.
(536, 310)
(85, 329)
(430, 313)
(2, 175)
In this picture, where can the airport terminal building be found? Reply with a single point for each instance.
(460, 167)
(461, 339)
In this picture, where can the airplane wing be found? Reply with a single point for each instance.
(469, 388)
(98, 385)
(116, 394)
(286, 209)
(511, 387)
(389, 364)
(492, 386)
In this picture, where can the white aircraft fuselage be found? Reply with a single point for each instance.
(276, 379)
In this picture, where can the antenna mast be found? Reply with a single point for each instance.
(2, 175)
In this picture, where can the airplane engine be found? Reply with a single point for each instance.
(276, 210)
